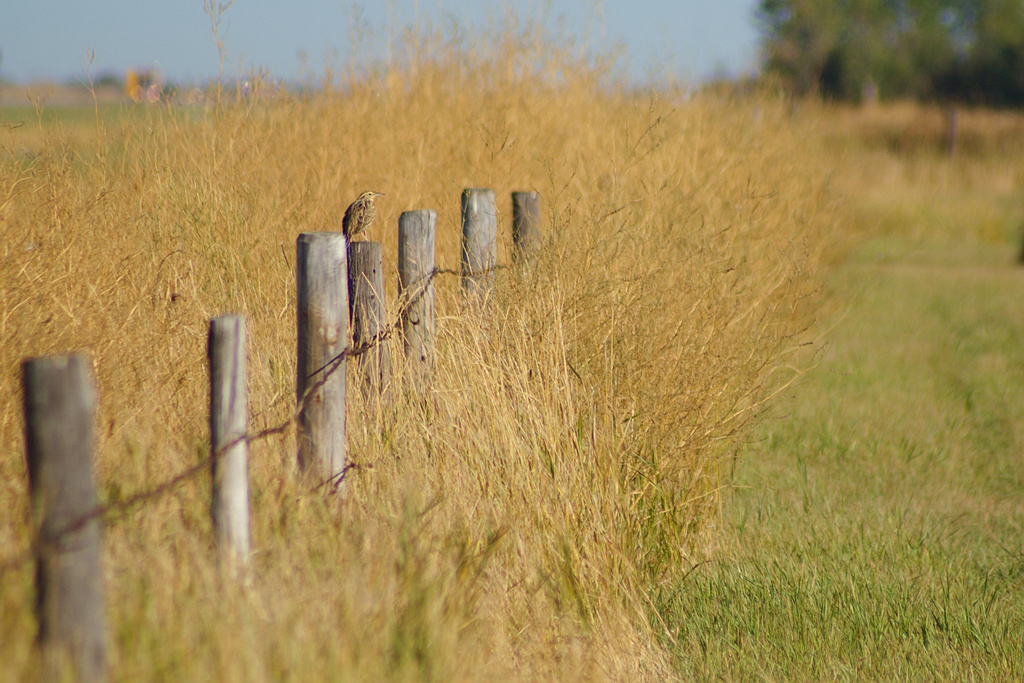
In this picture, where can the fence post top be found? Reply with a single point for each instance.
(59, 360)
(78, 367)
(477, 190)
(228, 315)
(321, 235)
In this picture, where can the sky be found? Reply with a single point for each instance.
(688, 40)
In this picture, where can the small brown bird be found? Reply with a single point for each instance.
(359, 214)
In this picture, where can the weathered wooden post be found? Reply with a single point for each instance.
(229, 445)
(479, 242)
(60, 407)
(322, 335)
(525, 223)
(416, 290)
(951, 130)
(366, 296)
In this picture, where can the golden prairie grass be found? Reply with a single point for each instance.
(569, 453)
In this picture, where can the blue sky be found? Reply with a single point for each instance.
(50, 39)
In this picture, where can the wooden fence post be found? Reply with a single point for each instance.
(366, 296)
(951, 130)
(525, 223)
(60, 407)
(479, 242)
(229, 445)
(322, 335)
(416, 290)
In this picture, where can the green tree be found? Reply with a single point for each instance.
(995, 64)
(927, 49)
(800, 35)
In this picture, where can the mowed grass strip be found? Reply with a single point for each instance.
(875, 529)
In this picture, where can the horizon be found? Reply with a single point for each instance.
(661, 41)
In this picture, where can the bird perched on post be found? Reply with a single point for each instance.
(359, 214)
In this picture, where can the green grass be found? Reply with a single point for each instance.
(70, 117)
(24, 129)
(875, 531)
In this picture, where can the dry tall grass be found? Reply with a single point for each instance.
(569, 453)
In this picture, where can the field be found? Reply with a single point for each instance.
(749, 414)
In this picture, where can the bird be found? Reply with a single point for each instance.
(360, 214)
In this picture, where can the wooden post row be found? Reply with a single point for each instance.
(416, 290)
(479, 242)
(366, 297)
(229, 427)
(322, 335)
(60, 407)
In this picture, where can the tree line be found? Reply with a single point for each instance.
(937, 50)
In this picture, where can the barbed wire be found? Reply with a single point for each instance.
(108, 511)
